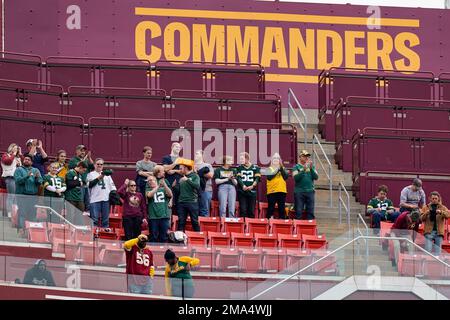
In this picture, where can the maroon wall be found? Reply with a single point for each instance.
(412, 39)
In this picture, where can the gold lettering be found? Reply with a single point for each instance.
(274, 34)
(215, 43)
(351, 50)
(184, 42)
(373, 53)
(235, 42)
(306, 48)
(404, 50)
(140, 44)
(322, 49)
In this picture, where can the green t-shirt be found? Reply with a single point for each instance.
(304, 180)
(222, 173)
(157, 206)
(385, 205)
(247, 176)
(74, 193)
(56, 182)
(74, 161)
(189, 189)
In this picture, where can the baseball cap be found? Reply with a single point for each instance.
(417, 183)
(80, 147)
(305, 153)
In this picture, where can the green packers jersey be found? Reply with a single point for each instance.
(376, 203)
(247, 176)
(158, 204)
(53, 181)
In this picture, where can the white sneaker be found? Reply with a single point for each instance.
(85, 213)
(9, 214)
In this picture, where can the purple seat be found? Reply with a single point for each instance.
(125, 137)
(22, 67)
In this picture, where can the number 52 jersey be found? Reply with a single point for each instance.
(247, 176)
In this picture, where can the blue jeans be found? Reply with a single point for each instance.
(429, 237)
(227, 195)
(304, 200)
(100, 210)
(11, 189)
(141, 289)
(158, 230)
(27, 209)
(377, 217)
(204, 203)
(86, 198)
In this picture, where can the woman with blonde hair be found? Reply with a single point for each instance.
(10, 161)
(61, 162)
(276, 186)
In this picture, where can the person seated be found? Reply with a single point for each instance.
(39, 275)
(381, 208)
(412, 197)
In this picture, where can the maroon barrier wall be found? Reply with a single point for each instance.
(293, 41)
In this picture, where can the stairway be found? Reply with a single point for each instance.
(327, 217)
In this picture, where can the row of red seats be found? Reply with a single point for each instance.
(251, 225)
(421, 265)
(258, 240)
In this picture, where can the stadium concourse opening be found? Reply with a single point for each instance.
(172, 166)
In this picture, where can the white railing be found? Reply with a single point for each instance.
(345, 204)
(328, 171)
(62, 218)
(303, 125)
(364, 232)
(295, 274)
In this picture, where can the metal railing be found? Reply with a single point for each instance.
(62, 217)
(329, 171)
(345, 204)
(295, 274)
(365, 232)
(303, 125)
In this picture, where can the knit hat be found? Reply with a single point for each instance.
(169, 255)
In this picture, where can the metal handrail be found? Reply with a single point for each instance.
(329, 172)
(303, 125)
(366, 233)
(342, 247)
(61, 217)
(346, 204)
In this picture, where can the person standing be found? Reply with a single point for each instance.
(144, 169)
(100, 185)
(178, 277)
(434, 215)
(40, 157)
(54, 188)
(63, 167)
(188, 188)
(134, 210)
(205, 171)
(139, 265)
(11, 160)
(158, 197)
(81, 154)
(225, 178)
(276, 187)
(28, 180)
(412, 197)
(172, 170)
(76, 181)
(248, 177)
(304, 174)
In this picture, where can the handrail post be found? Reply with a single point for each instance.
(331, 186)
(339, 204)
(348, 212)
(289, 109)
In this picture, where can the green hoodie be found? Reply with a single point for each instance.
(26, 184)
(304, 180)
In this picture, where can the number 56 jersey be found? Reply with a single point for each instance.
(139, 261)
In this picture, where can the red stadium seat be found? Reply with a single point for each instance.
(105, 234)
(314, 242)
(281, 226)
(298, 259)
(239, 240)
(274, 260)
(68, 247)
(112, 257)
(262, 212)
(83, 234)
(181, 251)
(227, 260)
(59, 231)
(257, 225)
(37, 232)
(305, 227)
(116, 210)
(214, 208)
(446, 246)
(434, 269)
(89, 252)
(14, 216)
(251, 260)
(266, 240)
(209, 224)
(289, 241)
(410, 265)
(233, 225)
(197, 238)
(206, 257)
(115, 220)
(41, 214)
(158, 256)
(218, 239)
